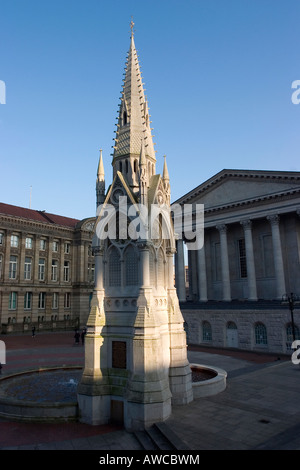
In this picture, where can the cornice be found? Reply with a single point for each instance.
(12, 222)
(238, 174)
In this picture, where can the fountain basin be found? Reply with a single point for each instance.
(207, 380)
(43, 395)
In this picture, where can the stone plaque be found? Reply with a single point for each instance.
(119, 354)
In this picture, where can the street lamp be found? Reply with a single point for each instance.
(291, 299)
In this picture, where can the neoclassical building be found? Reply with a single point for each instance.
(46, 270)
(249, 261)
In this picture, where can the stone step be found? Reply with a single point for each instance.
(145, 441)
(160, 437)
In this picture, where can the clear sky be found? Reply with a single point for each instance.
(217, 73)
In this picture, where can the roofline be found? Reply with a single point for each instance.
(236, 173)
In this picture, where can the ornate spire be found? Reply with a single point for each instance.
(133, 122)
(165, 170)
(100, 182)
(100, 172)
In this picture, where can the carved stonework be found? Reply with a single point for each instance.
(247, 224)
(222, 228)
(273, 219)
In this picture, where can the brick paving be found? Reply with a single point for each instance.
(258, 410)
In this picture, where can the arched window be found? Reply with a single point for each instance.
(135, 166)
(126, 166)
(260, 334)
(124, 118)
(114, 268)
(206, 331)
(120, 167)
(131, 266)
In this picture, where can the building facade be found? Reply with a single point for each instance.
(46, 270)
(249, 263)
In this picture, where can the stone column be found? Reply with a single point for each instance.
(277, 253)
(145, 263)
(251, 276)
(202, 281)
(180, 278)
(224, 262)
(99, 278)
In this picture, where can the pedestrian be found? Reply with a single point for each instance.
(0, 368)
(77, 337)
(82, 336)
(33, 331)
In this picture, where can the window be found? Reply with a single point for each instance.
(14, 241)
(67, 300)
(27, 269)
(41, 269)
(54, 270)
(28, 243)
(242, 258)
(131, 266)
(27, 300)
(1, 262)
(1, 238)
(66, 271)
(42, 297)
(67, 248)
(206, 331)
(55, 246)
(260, 334)
(124, 118)
(43, 245)
(114, 268)
(12, 301)
(55, 300)
(12, 273)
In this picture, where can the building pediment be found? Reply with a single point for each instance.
(236, 187)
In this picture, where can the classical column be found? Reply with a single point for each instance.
(202, 281)
(224, 262)
(145, 263)
(180, 278)
(99, 278)
(277, 253)
(251, 276)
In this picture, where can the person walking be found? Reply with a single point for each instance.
(82, 336)
(77, 337)
(33, 331)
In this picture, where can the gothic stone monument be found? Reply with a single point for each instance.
(136, 364)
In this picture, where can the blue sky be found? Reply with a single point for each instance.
(217, 74)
